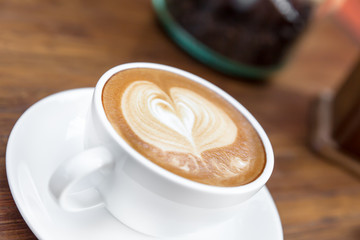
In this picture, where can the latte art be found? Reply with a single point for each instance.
(183, 127)
(181, 122)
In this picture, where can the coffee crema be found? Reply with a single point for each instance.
(183, 126)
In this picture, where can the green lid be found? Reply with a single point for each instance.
(203, 53)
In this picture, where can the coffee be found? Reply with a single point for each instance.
(183, 126)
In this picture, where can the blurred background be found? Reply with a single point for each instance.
(292, 63)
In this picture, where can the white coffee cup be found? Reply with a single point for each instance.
(140, 194)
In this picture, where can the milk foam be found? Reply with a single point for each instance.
(183, 127)
(182, 121)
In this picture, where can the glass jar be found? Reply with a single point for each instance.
(238, 37)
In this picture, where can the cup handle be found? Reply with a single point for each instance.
(74, 182)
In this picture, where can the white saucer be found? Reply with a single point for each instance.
(54, 127)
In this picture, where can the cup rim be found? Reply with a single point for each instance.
(249, 187)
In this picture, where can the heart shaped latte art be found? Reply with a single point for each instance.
(180, 122)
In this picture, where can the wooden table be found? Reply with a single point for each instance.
(50, 46)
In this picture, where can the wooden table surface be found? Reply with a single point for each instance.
(47, 46)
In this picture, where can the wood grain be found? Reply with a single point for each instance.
(47, 46)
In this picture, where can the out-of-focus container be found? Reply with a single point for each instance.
(249, 38)
(335, 131)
